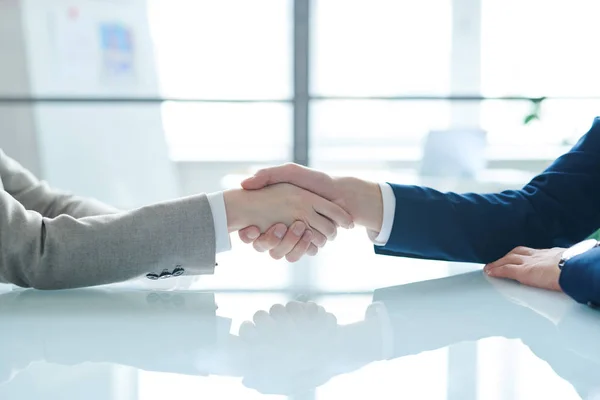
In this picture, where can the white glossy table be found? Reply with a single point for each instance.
(460, 337)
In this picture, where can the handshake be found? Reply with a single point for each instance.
(291, 210)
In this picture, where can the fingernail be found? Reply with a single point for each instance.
(253, 235)
(280, 232)
(307, 236)
(298, 229)
(351, 225)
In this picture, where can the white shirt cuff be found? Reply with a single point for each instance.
(219, 214)
(389, 212)
(379, 311)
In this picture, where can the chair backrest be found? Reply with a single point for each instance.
(458, 153)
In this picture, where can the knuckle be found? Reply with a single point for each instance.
(260, 315)
(292, 166)
(517, 259)
(504, 260)
(300, 224)
(260, 172)
(247, 330)
(521, 250)
(277, 308)
(293, 306)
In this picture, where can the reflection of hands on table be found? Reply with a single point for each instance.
(289, 348)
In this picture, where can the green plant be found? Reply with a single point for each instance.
(536, 110)
(595, 235)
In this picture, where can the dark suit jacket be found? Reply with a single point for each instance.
(559, 207)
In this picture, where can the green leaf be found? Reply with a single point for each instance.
(595, 235)
(536, 110)
(531, 117)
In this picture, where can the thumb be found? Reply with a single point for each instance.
(258, 181)
(286, 173)
(314, 181)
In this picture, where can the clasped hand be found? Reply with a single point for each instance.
(321, 203)
(298, 209)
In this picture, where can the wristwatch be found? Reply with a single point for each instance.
(576, 250)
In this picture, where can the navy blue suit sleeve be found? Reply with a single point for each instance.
(559, 207)
(580, 277)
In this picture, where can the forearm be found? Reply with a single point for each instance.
(430, 224)
(557, 208)
(66, 252)
(470, 227)
(363, 200)
(237, 208)
(360, 342)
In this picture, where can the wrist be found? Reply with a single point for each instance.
(361, 340)
(236, 204)
(363, 200)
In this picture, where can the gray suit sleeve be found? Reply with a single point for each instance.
(68, 252)
(36, 195)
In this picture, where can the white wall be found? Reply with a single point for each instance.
(114, 152)
(48, 25)
(17, 127)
